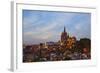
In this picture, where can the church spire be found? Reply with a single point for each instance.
(64, 29)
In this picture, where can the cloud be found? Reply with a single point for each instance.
(41, 26)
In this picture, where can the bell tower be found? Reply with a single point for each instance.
(64, 37)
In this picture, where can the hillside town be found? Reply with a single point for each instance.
(66, 48)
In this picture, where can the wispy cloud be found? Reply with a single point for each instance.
(39, 26)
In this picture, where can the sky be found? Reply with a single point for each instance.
(45, 26)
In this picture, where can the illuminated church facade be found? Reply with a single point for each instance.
(67, 41)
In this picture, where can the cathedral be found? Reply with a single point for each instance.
(64, 37)
(66, 40)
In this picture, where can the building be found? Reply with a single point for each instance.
(64, 37)
(71, 42)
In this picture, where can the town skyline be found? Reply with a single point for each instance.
(45, 26)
